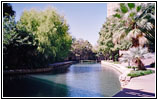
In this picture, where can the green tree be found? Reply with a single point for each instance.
(18, 47)
(51, 31)
(81, 50)
(8, 10)
(107, 46)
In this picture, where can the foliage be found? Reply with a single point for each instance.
(140, 73)
(105, 38)
(106, 44)
(146, 23)
(38, 39)
(127, 28)
(51, 32)
(137, 24)
(123, 30)
(8, 10)
(81, 50)
(135, 53)
(133, 67)
(18, 46)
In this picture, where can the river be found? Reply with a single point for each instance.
(79, 80)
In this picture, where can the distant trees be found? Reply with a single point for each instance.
(39, 38)
(81, 50)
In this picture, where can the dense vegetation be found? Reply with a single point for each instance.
(81, 50)
(132, 26)
(39, 38)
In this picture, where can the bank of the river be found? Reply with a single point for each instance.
(135, 87)
(123, 78)
(61, 65)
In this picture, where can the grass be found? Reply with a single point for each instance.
(131, 67)
(140, 73)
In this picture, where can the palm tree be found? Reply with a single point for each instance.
(135, 55)
(127, 28)
(146, 23)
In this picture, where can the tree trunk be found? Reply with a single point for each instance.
(135, 42)
(139, 64)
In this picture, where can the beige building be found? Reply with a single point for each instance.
(111, 7)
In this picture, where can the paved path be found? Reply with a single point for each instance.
(143, 86)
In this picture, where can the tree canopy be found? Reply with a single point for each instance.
(81, 50)
(40, 38)
(8, 10)
(132, 25)
(50, 30)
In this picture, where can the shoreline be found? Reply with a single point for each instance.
(55, 66)
(123, 78)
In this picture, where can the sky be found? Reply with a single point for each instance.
(84, 19)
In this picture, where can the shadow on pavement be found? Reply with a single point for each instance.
(133, 93)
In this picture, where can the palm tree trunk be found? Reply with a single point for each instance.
(140, 64)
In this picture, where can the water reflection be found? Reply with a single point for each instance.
(80, 80)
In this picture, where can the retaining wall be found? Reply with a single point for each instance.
(61, 65)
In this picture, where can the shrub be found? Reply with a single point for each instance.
(140, 73)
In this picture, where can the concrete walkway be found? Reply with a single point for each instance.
(144, 83)
(143, 86)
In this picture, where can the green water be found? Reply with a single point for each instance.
(80, 80)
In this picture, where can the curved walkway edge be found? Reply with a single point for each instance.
(143, 86)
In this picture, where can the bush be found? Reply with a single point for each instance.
(18, 46)
(140, 73)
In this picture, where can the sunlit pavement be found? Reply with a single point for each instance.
(143, 86)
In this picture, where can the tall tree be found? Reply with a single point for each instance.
(51, 31)
(8, 10)
(107, 46)
(146, 23)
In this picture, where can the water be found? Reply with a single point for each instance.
(80, 80)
